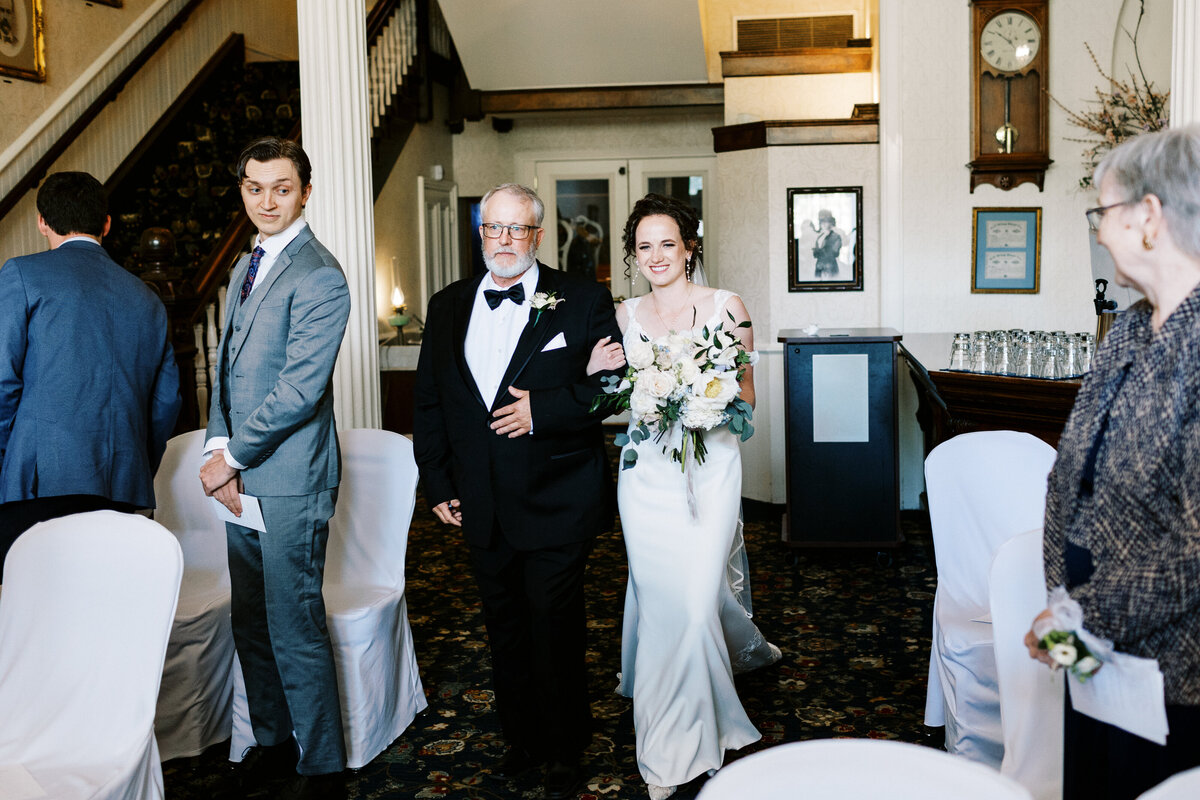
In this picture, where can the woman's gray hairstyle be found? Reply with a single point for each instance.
(1165, 164)
(539, 208)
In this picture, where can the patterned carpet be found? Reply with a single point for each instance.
(853, 627)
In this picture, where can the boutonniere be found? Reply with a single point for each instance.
(543, 301)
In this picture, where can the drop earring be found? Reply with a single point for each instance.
(1147, 243)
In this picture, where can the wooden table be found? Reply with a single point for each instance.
(951, 403)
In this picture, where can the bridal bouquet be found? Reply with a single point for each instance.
(1062, 634)
(681, 378)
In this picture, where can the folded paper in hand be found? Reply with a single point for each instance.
(251, 513)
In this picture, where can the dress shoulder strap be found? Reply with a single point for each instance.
(720, 300)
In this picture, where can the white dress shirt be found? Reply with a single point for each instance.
(272, 246)
(492, 334)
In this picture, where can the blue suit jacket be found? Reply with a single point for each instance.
(274, 392)
(89, 390)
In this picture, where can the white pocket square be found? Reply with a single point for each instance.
(558, 341)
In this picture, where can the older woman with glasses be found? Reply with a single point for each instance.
(1122, 530)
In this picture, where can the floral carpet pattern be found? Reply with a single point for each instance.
(853, 626)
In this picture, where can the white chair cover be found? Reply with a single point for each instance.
(88, 603)
(983, 489)
(196, 699)
(367, 612)
(850, 769)
(1184, 786)
(1031, 695)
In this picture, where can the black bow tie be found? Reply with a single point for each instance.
(495, 297)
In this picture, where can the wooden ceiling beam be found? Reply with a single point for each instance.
(602, 98)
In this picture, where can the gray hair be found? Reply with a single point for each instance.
(1165, 164)
(539, 208)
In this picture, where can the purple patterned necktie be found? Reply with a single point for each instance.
(248, 284)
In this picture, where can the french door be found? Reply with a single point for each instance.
(588, 202)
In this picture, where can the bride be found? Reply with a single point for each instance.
(685, 632)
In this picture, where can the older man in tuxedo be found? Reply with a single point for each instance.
(510, 452)
(89, 389)
(272, 434)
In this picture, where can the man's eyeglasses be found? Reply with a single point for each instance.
(1094, 215)
(494, 230)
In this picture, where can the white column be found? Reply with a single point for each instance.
(891, 177)
(336, 136)
(1185, 83)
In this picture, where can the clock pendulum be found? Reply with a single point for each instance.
(1006, 134)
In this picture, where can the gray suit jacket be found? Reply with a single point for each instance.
(274, 392)
(89, 390)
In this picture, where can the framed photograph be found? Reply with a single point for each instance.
(22, 47)
(825, 239)
(1006, 249)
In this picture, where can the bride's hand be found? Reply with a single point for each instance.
(606, 356)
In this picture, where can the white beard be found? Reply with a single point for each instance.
(522, 263)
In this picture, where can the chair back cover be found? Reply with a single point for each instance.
(186, 511)
(854, 769)
(1031, 695)
(983, 488)
(87, 609)
(368, 535)
(1184, 786)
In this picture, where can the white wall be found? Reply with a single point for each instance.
(396, 212)
(937, 205)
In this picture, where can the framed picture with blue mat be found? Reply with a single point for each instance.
(1006, 250)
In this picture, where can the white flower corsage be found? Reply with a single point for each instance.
(1062, 634)
(543, 301)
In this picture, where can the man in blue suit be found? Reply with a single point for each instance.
(89, 389)
(271, 435)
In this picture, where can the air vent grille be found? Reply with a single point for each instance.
(783, 33)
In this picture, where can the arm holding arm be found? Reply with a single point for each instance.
(566, 407)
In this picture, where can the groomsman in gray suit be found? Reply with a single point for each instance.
(271, 434)
(89, 390)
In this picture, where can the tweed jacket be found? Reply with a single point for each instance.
(1138, 519)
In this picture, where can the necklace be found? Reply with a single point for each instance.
(686, 302)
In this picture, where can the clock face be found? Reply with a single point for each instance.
(1010, 41)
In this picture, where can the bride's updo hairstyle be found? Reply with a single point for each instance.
(683, 214)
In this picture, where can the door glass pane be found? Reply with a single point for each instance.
(688, 188)
(584, 228)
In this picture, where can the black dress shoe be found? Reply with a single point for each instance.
(260, 767)
(562, 780)
(514, 763)
(316, 787)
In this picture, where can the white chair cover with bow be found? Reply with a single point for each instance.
(857, 769)
(87, 609)
(367, 613)
(196, 699)
(1031, 695)
(983, 489)
(1184, 786)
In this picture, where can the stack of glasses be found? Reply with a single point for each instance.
(1027, 354)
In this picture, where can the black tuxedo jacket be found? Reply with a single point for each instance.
(540, 490)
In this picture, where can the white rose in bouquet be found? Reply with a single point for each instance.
(689, 371)
(639, 353)
(658, 383)
(643, 406)
(727, 358)
(679, 346)
(662, 357)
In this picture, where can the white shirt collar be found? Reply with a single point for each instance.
(274, 245)
(80, 238)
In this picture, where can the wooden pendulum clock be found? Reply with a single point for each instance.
(1010, 108)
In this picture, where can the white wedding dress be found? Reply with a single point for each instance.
(685, 632)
